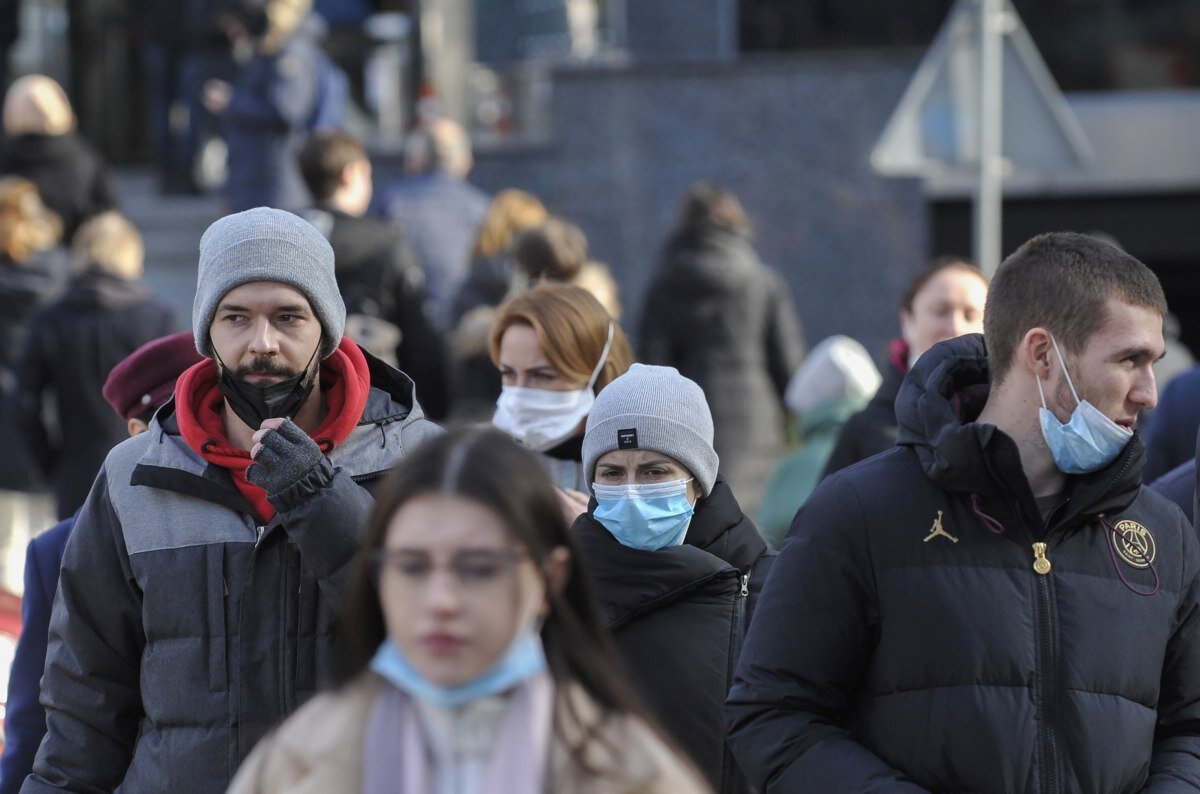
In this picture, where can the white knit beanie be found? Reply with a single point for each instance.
(653, 408)
(265, 244)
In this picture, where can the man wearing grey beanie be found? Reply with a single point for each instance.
(200, 589)
(676, 564)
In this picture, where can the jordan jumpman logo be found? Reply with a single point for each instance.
(937, 530)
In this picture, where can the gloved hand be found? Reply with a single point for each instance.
(283, 455)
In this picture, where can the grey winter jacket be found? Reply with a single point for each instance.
(183, 629)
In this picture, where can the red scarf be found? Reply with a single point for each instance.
(345, 381)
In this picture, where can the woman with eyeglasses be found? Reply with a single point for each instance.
(474, 659)
(556, 348)
(676, 563)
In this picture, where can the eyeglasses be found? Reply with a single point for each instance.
(475, 570)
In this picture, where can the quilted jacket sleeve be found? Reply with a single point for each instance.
(813, 633)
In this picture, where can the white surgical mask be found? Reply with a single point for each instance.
(542, 419)
(1089, 441)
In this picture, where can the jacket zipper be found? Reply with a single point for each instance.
(735, 650)
(1048, 675)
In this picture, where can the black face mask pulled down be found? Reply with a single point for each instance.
(253, 403)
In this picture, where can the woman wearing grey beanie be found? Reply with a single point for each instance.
(677, 565)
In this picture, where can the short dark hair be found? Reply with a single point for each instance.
(322, 159)
(555, 251)
(1061, 281)
(935, 267)
(489, 468)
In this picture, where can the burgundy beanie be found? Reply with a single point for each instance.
(146, 377)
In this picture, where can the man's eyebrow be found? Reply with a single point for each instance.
(654, 462)
(1137, 351)
(293, 308)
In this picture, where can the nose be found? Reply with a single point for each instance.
(264, 340)
(1144, 393)
(443, 592)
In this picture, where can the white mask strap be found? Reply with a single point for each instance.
(1066, 374)
(603, 358)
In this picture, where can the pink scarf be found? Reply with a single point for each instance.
(395, 749)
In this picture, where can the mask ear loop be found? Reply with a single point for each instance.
(603, 358)
(1066, 374)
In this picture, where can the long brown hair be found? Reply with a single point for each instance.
(571, 327)
(487, 467)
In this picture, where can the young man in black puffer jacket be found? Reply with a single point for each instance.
(997, 604)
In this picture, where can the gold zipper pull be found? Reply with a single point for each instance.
(1040, 563)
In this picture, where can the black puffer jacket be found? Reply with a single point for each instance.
(887, 657)
(678, 616)
(723, 319)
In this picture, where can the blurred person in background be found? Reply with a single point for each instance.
(835, 381)
(943, 301)
(42, 145)
(557, 250)
(556, 348)
(475, 382)
(474, 659)
(1169, 431)
(677, 565)
(72, 345)
(135, 389)
(511, 213)
(439, 210)
(379, 277)
(271, 104)
(723, 319)
(33, 271)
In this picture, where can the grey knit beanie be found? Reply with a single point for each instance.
(653, 408)
(265, 244)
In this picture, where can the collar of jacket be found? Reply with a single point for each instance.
(722, 542)
(938, 401)
(370, 450)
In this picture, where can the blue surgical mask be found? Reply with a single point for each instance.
(524, 659)
(644, 516)
(1089, 441)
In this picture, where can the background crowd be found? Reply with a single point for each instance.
(597, 527)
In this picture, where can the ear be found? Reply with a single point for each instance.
(1036, 352)
(557, 570)
(136, 426)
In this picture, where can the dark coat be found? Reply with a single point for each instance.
(183, 628)
(274, 98)
(24, 718)
(870, 431)
(1172, 426)
(678, 616)
(1179, 485)
(23, 289)
(70, 175)
(718, 315)
(379, 276)
(886, 657)
(71, 346)
(441, 216)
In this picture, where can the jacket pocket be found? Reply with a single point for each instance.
(215, 629)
